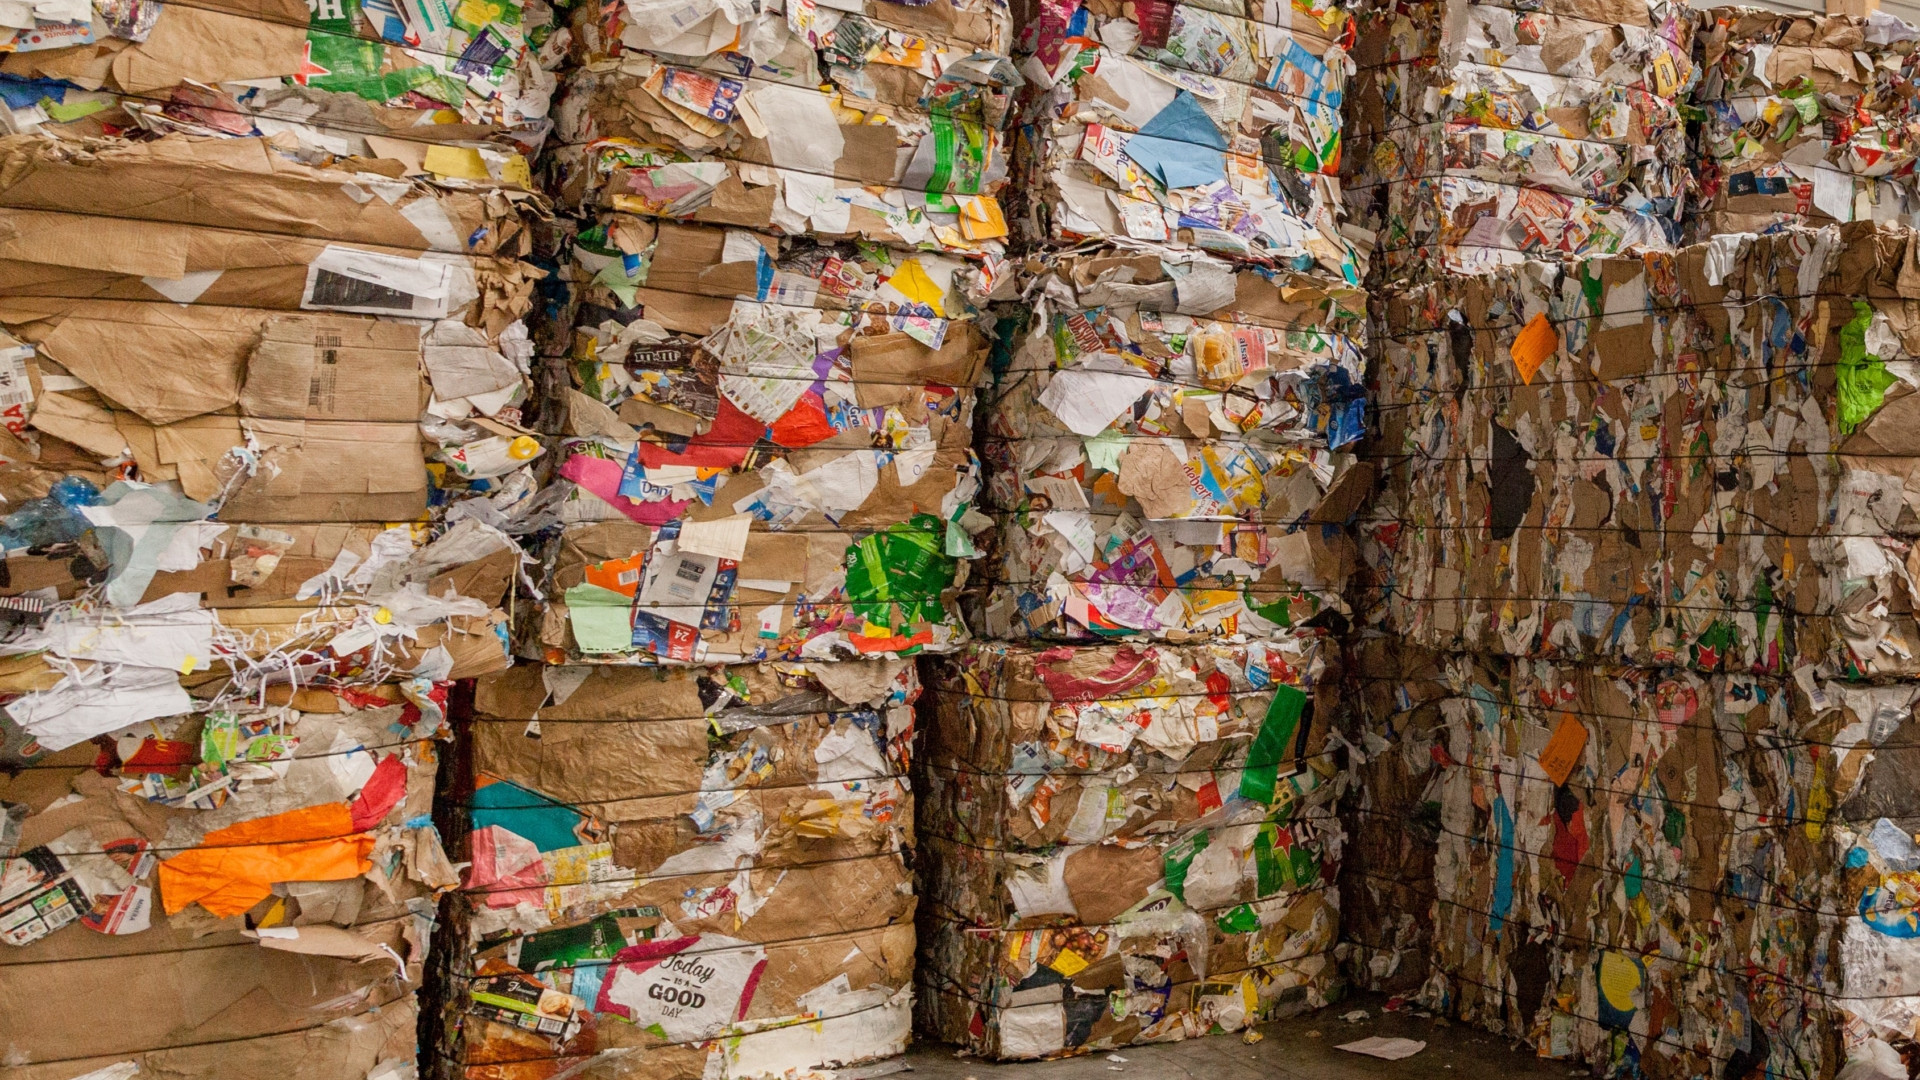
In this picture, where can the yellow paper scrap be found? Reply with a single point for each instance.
(912, 282)
(981, 219)
(457, 162)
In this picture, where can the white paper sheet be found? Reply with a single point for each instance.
(1384, 1048)
(1089, 397)
(112, 698)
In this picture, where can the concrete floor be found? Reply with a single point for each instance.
(1453, 1052)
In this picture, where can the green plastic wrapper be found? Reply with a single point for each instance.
(895, 577)
(1274, 744)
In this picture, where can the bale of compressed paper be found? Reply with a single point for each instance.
(1185, 126)
(1560, 787)
(216, 397)
(1656, 514)
(1486, 134)
(1804, 120)
(771, 452)
(688, 872)
(1594, 476)
(264, 434)
(871, 121)
(1123, 844)
(458, 94)
(1169, 451)
(209, 893)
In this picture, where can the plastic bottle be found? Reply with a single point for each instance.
(52, 519)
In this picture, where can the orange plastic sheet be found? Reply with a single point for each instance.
(236, 867)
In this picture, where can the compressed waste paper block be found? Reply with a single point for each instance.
(211, 402)
(1702, 797)
(1634, 460)
(250, 887)
(1803, 120)
(1124, 843)
(764, 471)
(683, 873)
(457, 93)
(1484, 134)
(264, 446)
(1655, 513)
(857, 120)
(1169, 451)
(1188, 126)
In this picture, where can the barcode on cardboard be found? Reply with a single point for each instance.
(320, 389)
(16, 387)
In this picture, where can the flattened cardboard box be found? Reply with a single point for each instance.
(244, 184)
(89, 256)
(333, 402)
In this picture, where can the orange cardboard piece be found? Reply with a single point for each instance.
(1562, 752)
(1536, 342)
(236, 867)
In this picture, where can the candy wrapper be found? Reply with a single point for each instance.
(1123, 844)
(1169, 451)
(688, 872)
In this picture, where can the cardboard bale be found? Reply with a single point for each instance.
(1484, 135)
(246, 386)
(689, 872)
(761, 468)
(1124, 844)
(1603, 482)
(263, 451)
(1551, 776)
(1801, 124)
(262, 880)
(1643, 545)
(1169, 452)
(1189, 127)
(871, 121)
